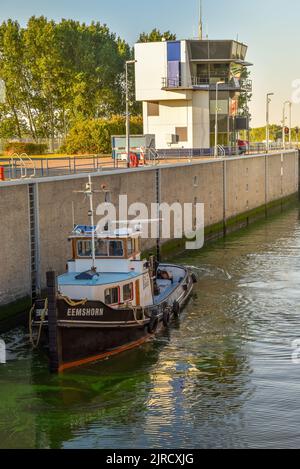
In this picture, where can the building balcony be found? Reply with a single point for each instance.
(207, 84)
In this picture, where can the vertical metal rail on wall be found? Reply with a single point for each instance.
(225, 197)
(299, 173)
(266, 184)
(34, 240)
(158, 200)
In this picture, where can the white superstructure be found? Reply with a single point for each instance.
(176, 81)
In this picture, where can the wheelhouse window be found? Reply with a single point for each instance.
(84, 248)
(101, 248)
(116, 249)
(112, 296)
(130, 247)
(128, 292)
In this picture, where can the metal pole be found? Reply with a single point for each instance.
(283, 123)
(290, 132)
(91, 215)
(128, 62)
(127, 119)
(283, 127)
(268, 121)
(216, 123)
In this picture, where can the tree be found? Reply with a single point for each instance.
(245, 96)
(156, 36)
(57, 74)
(94, 135)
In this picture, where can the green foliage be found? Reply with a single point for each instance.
(30, 148)
(259, 134)
(245, 97)
(56, 74)
(156, 36)
(93, 136)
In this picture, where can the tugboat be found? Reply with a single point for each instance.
(110, 300)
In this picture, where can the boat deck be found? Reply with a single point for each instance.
(166, 288)
(97, 280)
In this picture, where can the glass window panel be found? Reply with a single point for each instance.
(223, 107)
(199, 50)
(130, 247)
(128, 292)
(112, 296)
(220, 50)
(84, 248)
(116, 249)
(101, 248)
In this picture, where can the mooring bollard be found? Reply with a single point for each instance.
(2, 352)
(2, 177)
(52, 322)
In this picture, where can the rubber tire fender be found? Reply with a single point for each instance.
(194, 278)
(166, 318)
(176, 309)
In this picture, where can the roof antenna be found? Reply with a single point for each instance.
(200, 20)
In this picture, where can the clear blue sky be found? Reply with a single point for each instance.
(271, 28)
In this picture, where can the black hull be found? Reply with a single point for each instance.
(85, 333)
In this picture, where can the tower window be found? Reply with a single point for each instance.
(182, 133)
(153, 109)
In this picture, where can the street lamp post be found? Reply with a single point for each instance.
(268, 121)
(128, 62)
(217, 112)
(283, 121)
(290, 119)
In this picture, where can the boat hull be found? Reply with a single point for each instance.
(81, 333)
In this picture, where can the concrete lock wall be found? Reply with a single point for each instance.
(230, 189)
(15, 268)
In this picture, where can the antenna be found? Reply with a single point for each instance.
(200, 20)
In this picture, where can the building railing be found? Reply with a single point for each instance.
(207, 83)
(22, 167)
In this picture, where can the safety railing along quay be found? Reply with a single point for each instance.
(18, 167)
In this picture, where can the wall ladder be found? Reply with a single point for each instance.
(34, 243)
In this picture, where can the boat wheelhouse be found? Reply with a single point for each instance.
(117, 276)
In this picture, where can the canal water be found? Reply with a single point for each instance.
(221, 377)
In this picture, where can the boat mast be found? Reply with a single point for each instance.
(89, 193)
(200, 25)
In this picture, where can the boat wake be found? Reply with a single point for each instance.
(206, 271)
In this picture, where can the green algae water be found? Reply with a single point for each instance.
(222, 377)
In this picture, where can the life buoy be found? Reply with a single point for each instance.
(2, 176)
(153, 324)
(176, 309)
(166, 317)
(134, 161)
